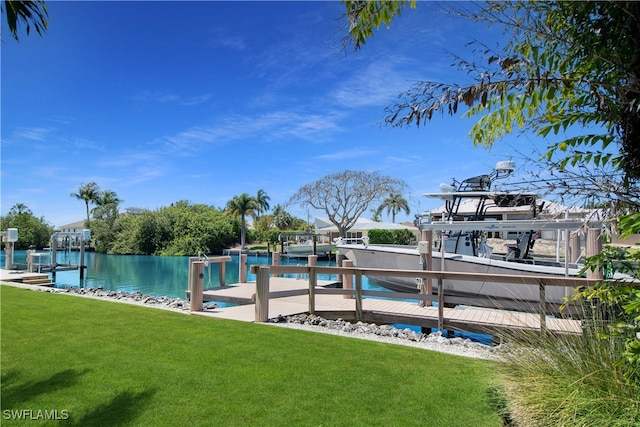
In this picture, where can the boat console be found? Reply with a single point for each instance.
(478, 188)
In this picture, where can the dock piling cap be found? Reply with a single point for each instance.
(12, 235)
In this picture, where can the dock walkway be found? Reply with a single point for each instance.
(290, 296)
(245, 293)
(25, 277)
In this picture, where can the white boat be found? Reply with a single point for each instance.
(465, 248)
(307, 248)
(300, 245)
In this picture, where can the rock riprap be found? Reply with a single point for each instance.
(134, 297)
(386, 333)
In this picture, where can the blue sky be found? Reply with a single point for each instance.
(202, 101)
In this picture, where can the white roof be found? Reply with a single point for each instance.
(556, 208)
(362, 224)
(550, 208)
(73, 225)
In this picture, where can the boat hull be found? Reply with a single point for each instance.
(306, 250)
(484, 293)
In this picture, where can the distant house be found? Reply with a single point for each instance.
(361, 228)
(73, 239)
(74, 227)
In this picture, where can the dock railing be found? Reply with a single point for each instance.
(196, 276)
(263, 273)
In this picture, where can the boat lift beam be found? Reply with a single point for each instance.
(510, 225)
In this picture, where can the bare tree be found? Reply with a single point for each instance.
(344, 196)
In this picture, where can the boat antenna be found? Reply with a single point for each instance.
(503, 169)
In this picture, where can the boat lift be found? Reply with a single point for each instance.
(81, 237)
(9, 237)
(51, 265)
(311, 249)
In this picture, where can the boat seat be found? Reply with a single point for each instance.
(520, 249)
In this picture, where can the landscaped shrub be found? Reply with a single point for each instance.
(394, 237)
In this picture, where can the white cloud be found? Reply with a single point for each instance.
(268, 127)
(347, 154)
(234, 42)
(376, 84)
(171, 98)
(33, 133)
(127, 160)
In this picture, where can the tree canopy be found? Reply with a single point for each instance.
(567, 65)
(570, 72)
(344, 196)
(281, 218)
(31, 230)
(28, 13)
(105, 215)
(180, 229)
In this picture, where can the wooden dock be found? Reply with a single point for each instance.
(291, 296)
(245, 293)
(21, 276)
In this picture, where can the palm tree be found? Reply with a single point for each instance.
(107, 204)
(263, 202)
(19, 209)
(242, 205)
(29, 13)
(281, 218)
(90, 193)
(376, 214)
(394, 204)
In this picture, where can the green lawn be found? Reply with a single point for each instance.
(108, 364)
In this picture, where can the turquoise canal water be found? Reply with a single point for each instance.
(168, 276)
(155, 275)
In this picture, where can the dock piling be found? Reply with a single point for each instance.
(574, 248)
(222, 270)
(543, 305)
(594, 247)
(340, 258)
(196, 281)
(347, 279)
(275, 259)
(313, 279)
(359, 313)
(243, 268)
(262, 294)
(441, 301)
